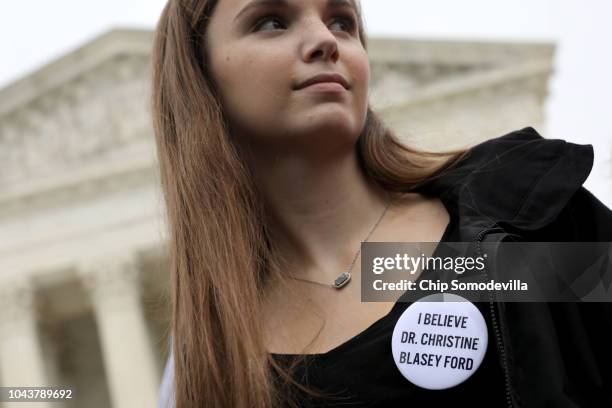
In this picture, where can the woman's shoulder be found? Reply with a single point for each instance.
(519, 179)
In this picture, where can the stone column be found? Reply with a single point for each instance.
(128, 357)
(21, 359)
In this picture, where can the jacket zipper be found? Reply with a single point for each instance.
(498, 337)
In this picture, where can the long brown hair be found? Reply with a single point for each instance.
(221, 256)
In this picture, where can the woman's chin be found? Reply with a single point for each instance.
(328, 118)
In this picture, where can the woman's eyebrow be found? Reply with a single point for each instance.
(285, 3)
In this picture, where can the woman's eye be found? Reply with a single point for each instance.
(261, 22)
(348, 23)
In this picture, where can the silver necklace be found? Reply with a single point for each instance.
(344, 278)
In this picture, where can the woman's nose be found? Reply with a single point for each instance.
(319, 42)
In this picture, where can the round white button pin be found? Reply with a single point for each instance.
(439, 341)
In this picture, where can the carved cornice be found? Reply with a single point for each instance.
(528, 77)
(87, 183)
(457, 53)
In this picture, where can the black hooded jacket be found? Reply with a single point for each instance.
(518, 186)
(521, 186)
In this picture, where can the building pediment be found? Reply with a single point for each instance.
(88, 107)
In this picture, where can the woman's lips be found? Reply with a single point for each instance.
(324, 87)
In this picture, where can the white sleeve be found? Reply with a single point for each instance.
(166, 392)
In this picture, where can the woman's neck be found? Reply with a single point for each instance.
(319, 212)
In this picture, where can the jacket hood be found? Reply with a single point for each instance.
(519, 180)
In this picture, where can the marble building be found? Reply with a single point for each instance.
(83, 264)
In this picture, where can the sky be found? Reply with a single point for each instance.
(34, 32)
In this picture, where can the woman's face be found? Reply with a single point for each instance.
(260, 51)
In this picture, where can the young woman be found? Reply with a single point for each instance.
(274, 170)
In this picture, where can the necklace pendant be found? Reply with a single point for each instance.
(342, 280)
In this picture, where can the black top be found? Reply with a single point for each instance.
(361, 372)
(519, 186)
